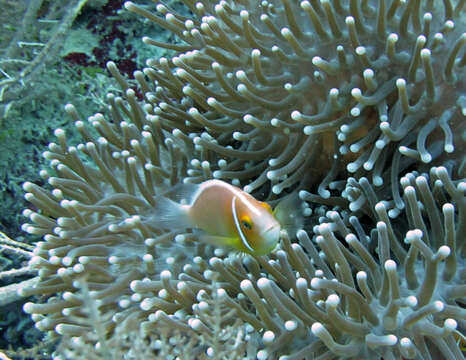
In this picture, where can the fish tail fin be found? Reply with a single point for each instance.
(170, 215)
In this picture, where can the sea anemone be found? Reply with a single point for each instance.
(340, 103)
(298, 94)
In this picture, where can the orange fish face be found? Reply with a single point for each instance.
(257, 228)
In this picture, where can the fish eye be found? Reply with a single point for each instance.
(247, 224)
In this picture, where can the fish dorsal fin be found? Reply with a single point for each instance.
(184, 193)
(180, 193)
(238, 226)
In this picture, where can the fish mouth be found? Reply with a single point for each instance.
(270, 239)
(272, 228)
(271, 235)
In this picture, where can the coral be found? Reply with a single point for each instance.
(35, 82)
(226, 336)
(32, 35)
(21, 64)
(15, 329)
(359, 108)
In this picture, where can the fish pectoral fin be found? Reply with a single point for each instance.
(215, 239)
(288, 213)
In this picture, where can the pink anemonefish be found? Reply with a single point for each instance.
(222, 214)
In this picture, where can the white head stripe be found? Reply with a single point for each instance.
(246, 201)
(238, 193)
(237, 224)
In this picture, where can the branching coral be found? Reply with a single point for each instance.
(283, 96)
(20, 67)
(219, 334)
